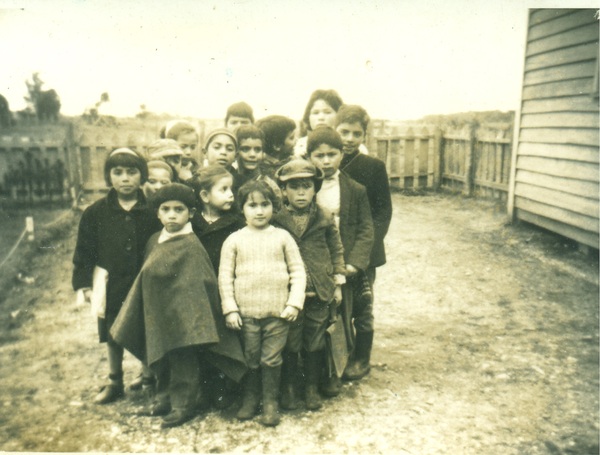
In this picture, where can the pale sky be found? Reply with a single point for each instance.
(399, 59)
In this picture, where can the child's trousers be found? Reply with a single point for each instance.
(308, 331)
(178, 376)
(264, 340)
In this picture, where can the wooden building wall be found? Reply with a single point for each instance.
(555, 176)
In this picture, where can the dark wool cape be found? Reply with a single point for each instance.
(174, 303)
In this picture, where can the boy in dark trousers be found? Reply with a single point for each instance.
(315, 231)
(352, 122)
(348, 201)
(172, 312)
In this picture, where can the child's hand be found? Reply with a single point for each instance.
(289, 313)
(351, 270)
(87, 296)
(233, 321)
(337, 296)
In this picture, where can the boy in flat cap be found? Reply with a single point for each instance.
(172, 313)
(314, 230)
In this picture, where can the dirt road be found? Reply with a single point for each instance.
(486, 343)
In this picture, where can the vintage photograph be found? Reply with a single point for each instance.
(248, 226)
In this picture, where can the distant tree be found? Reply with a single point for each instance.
(45, 103)
(5, 114)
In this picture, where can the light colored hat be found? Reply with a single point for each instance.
(162, 148)
(154, 164)
(218, 131)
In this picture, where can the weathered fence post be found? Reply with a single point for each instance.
(468, 187)
(438, 167)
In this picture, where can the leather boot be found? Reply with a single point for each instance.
(271, 377)
(251, 397)
(312, 371)
(289, 371)
(332, 386)
(112, 391)
(359, 367)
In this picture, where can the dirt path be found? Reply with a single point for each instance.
(486, 343)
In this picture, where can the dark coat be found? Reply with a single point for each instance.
(356, 230)
(114, 239)
(320, 247)
(356, 226)
(174, 303)
(371, 173)
(213, 235)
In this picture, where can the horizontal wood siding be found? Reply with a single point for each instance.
(556, 176)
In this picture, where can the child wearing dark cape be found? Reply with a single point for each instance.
(172, 314)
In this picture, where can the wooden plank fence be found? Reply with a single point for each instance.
(472, 161)
(58, 162)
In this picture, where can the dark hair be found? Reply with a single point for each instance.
(275, 128)
(352, 113)
(125, 158)
(331, 97)
(204, 179)
(249, 132)
(240, 109)
(323, 135)
(253, 186)
(173, 131)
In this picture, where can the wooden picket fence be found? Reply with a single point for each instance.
(473, 162)
(58, 162)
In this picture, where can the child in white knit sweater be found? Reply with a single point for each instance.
(261, 281)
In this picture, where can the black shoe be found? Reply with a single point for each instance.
(176, 418)
(109, 393)
(332, 386)
(161, 407)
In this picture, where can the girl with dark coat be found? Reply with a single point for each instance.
(112, 235)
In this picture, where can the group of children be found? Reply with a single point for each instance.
(232, 269)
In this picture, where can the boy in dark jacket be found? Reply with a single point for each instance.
(348, 201)
(352, 122)
(315, 231)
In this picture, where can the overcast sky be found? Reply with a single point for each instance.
(399, 59)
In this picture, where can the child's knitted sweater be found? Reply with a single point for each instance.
(261, 272)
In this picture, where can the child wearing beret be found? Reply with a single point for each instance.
(171, 315)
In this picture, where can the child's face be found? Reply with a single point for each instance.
(352, 136)
(157, 178)
(220, 196)
(173, 215)
(289, 143)
(321, 113)
(250, 154)
(299, 192)
(188, 143)
(125, 180)
(327, 159)
(233, 122)
(258, 210)
(221, 150)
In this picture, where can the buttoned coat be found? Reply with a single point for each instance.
(320, 247)
(356, 225)
(213, 235)
(371, 173)
(114, 239)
